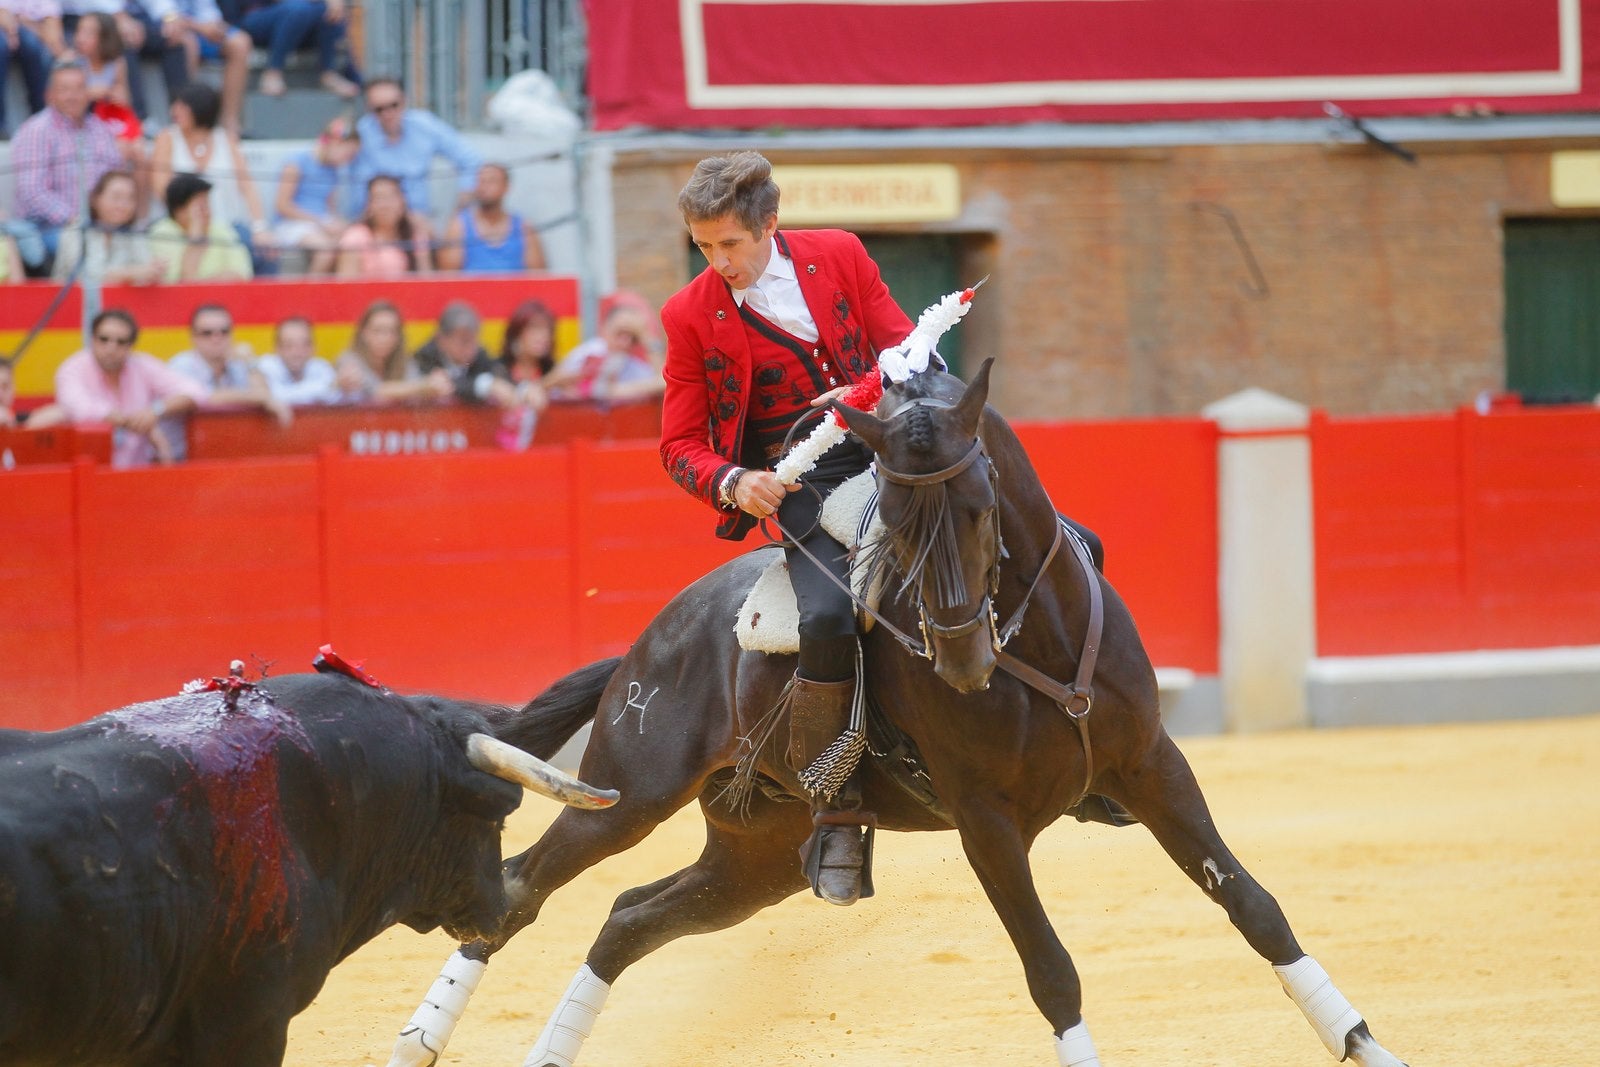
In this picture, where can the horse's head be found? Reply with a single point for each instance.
(937, 498)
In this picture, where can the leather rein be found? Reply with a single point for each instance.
(1075, 700)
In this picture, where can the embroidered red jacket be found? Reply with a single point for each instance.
(709, 362)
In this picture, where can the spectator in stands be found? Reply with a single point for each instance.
(527, 354)
(116, 253)
(11, 269)
(30, 37)
(197, 247)
(377, 368)
(295, 373)
(195, 144)
(390, 240)
(141, 37)
(617, 365)
(133, 391)
(484, 236)
(402, 142)
(97, 42)
(457, 350)
(312, 188)
(284, 26)
(40, 418)
(528, 350)
(225, 368)
(199, 28)
(58, 154)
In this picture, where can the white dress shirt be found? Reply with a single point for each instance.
(776, 297)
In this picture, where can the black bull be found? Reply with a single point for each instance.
(177, 878)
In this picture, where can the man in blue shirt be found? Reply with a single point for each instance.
(401, 142)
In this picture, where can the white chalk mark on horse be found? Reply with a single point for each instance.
(633, 701)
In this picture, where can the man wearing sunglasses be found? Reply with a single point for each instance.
(134, 392)
(401, 142)
(225, 369)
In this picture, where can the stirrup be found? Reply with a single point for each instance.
(831, 824)
(1096, 808)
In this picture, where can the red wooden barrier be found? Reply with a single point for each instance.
(39, 660)
(1149, 489)
(1443, 533)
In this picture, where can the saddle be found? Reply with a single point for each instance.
(769, 619)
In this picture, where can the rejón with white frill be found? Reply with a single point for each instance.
(896, 364)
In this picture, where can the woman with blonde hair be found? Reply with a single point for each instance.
(377, 369)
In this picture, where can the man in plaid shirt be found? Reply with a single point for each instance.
(58, 155)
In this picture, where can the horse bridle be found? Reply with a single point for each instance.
(985, 611)
(1076, 700)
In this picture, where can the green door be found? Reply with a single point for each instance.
(919, 268)
(1553, 308)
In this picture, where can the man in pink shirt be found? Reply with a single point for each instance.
(109, 382)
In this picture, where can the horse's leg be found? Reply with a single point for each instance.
(574, 842)
(745, 866)
(995, 847)
(1164, 795)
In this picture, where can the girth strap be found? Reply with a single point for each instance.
(1077, 701)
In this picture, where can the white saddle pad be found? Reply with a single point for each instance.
(769, 619)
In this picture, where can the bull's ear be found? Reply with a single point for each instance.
(865, 425)
(970, 408)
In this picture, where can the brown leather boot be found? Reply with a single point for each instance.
(834, 855)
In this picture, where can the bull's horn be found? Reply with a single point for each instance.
(514, 765)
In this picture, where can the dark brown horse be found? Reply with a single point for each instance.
(977, 552)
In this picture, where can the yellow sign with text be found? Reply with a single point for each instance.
(844, 195)
(1575, 179)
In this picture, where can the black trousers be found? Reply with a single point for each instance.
(828, 626)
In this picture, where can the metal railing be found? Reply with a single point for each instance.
(453, 54)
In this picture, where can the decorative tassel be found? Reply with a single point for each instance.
(909, 357)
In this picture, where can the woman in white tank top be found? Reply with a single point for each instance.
(196, 144)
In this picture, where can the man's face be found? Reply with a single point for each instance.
(110, 345)
(459, 345)
(389, 104)
(294, 346)
(733, 251)
(212, 336)
(491, 190)
(68, 93)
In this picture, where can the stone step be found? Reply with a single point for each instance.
(299, 114)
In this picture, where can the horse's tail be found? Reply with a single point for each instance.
(549, 720)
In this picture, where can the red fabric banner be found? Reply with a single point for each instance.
(757, 63)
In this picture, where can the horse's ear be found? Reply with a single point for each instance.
(970, 407)
(865, 425)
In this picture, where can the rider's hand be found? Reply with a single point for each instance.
(831, 394)
(759, 493)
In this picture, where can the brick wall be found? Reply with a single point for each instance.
(1119, 287)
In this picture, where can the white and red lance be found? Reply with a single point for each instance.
(909, 357)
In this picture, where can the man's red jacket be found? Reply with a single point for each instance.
(709, 361)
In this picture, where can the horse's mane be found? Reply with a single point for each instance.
(921, 543)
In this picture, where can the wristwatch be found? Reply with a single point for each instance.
(730, 482)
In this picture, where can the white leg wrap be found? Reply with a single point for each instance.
(1075, 1048)
(571, 1022)
(423, 1039)
(1330, 1015)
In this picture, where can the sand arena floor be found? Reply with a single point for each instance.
(1447, 877)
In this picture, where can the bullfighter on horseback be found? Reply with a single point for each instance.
(779, 324)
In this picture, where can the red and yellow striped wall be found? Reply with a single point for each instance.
(333, 306)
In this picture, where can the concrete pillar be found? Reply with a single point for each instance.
(1267, 599)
